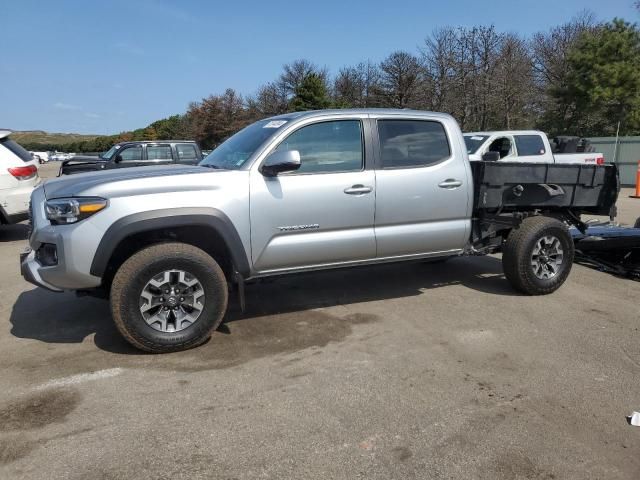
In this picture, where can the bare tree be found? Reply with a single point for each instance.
(550, 52)
(271, 99)
(439, 60)
(217, 117)
(460, 66)
(357, 86)
(295, 72)
(513, 85)
(401, 75)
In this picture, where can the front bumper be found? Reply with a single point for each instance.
(30, 270)
(70, 271)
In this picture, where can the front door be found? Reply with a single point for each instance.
(422, 192)
(321, 214)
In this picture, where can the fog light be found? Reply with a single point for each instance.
(47, 255)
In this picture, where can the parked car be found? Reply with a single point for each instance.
(40, 157)
(59, 156)
(136, 154)
(299, 192)
(18, 177)
(522, 146)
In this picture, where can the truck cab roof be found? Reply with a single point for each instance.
(505, 132)
(361, 111)
(151, 142)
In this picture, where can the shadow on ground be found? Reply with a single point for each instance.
(287, 302)
(14, 233)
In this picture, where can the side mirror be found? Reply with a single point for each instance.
(491, 156)
(118, 158)
(281, 161)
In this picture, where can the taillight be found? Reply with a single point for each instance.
(599, 160)
(23, 173)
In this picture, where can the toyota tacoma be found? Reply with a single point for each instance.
(299, 192)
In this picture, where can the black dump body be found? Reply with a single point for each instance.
(504, 187)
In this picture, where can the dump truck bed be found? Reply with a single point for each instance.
(512, 187)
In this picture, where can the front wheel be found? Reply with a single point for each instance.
(538, 255)
(168, 297)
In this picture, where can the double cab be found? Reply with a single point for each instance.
(300, 192)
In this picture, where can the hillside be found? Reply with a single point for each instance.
(35, 139)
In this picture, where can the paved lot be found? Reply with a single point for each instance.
(409, 371)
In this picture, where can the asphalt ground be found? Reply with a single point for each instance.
(390, 372)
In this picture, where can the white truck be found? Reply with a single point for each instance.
(530, 146)
(41, 157)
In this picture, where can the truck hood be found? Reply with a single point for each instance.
(133, 181)
(84, 158)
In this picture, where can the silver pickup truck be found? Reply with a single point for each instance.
(298, 192)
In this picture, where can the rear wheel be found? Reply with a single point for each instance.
(538, 255)
(168, 297)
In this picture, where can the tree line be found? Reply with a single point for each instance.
(579, 78)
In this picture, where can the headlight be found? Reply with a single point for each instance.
(62, 211)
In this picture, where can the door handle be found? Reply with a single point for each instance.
(450, 183)
(357, 190)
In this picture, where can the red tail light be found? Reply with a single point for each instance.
(23, 173)
(599, 160)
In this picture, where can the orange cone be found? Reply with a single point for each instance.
(637, 195)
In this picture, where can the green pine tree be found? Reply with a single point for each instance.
(604, 80)
(311, 94)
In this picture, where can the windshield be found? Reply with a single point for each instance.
(474, 142)
(234, 152)
(109, 153)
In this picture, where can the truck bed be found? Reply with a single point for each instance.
(517, 186)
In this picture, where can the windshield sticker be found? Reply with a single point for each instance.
(275, 124)
(477, 138)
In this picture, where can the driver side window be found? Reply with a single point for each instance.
(131, 154)
(502, 145)
(327, 147)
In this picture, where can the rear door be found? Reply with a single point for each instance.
(423, 191)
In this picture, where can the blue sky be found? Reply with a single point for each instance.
(108, 66)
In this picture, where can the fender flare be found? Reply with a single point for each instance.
(166, 219)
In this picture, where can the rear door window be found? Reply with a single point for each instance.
(529, 145)
(16, 149)
(186, 152)
(159, 153)
(412, 143)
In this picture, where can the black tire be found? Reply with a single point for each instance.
(518, 253)
(135, 273)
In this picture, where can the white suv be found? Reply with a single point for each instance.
(18, 177)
